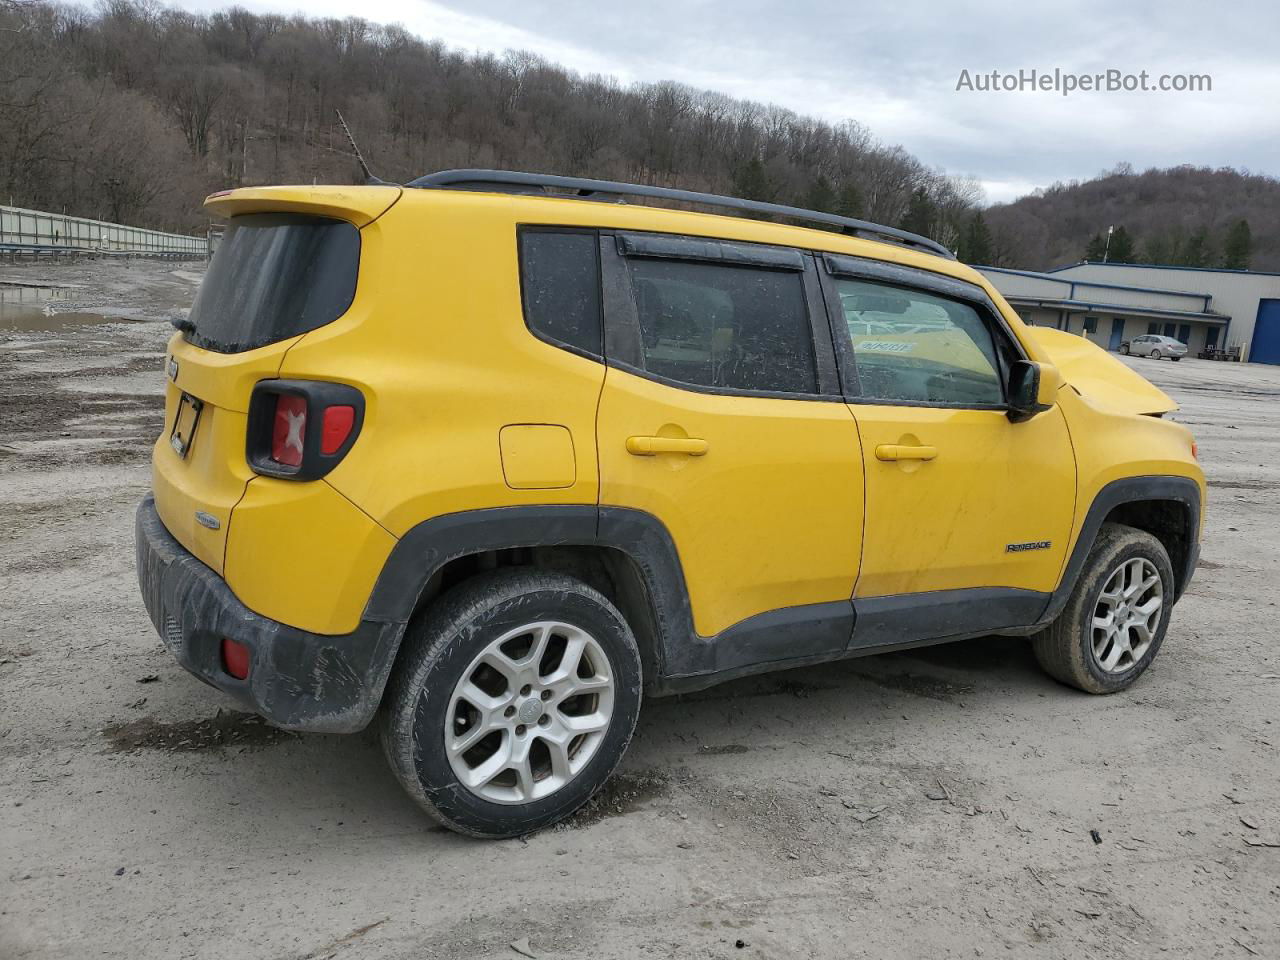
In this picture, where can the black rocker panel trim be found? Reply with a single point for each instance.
(776, 639)
(942, 614)
(821, 629)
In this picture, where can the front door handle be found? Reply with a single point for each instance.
(899, 451)
(648, 446)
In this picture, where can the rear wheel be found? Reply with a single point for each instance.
(1155, 354)
(1175, 359)
(514, 702)
(1116, 617)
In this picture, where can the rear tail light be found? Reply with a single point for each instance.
(235, 659)
(301, 429)
(289, 429)
(336, 427)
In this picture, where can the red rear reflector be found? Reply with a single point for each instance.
(289, 431)
(336, 427)
(235, 659)
(1195, 451)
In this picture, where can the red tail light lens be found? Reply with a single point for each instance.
(301, 429)
(235, 659)
(336, 427)
(289, 429)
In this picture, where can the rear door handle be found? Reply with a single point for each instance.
(648, 446)
(898, 451)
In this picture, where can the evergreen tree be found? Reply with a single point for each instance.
(751, 182)
(821, 196)
(1238, 249)
(1158, 250)
(1121, 249)
(1096, 249)
(1197, 251)
(849, 202)
(976, 244)
(921, 213)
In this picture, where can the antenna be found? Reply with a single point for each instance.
(368, 174)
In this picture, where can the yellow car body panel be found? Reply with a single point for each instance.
(211, 479)
(357, 205)
(1112, 445)
(771, 516)
(766, 518)
(992, 483)
(1105, 380)
(304, 552)
(436, 341)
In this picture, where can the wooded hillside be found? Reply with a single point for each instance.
(134, 112)
(1187, 216)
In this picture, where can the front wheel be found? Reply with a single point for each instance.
(1124, 349)
(1116, 617)
(514, 701)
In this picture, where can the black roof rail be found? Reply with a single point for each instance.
(510, 181)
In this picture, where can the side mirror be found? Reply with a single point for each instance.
(1033, 388)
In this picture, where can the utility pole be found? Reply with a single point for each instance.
(1107, 251)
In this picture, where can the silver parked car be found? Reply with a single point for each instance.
(1155, 346)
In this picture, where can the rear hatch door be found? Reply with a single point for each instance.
(287, 264)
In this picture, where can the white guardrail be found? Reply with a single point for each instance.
(37, 229)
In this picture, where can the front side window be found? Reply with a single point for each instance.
(727, 327)
(560, 285)
(915, 347)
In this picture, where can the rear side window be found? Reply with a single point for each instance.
(914, 347)
(560, 286)
(274, 276)
(728, 327)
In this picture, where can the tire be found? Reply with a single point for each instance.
(1124, 349)
(1072, 651)
(424, 704)
(1155, 355)
(1175, 359)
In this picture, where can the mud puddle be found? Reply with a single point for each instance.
(34, 310)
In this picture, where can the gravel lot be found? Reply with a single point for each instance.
(935, 803)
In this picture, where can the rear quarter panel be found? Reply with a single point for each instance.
(437, 342)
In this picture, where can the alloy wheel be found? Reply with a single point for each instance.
(1127, 615)
(529, 712)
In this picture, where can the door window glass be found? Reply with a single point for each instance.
(915, 347)
(731, 327)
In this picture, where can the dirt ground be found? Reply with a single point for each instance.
(937, 803)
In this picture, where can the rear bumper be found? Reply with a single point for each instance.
(297, 680)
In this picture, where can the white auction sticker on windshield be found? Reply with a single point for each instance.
(886, 346)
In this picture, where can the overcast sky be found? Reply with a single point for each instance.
(895, 66)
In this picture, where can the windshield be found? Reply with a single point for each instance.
(274, 276)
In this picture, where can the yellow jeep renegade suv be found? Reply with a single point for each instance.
(487, 460)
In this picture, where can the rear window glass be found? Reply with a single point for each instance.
(274, 276)
(561, 288)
